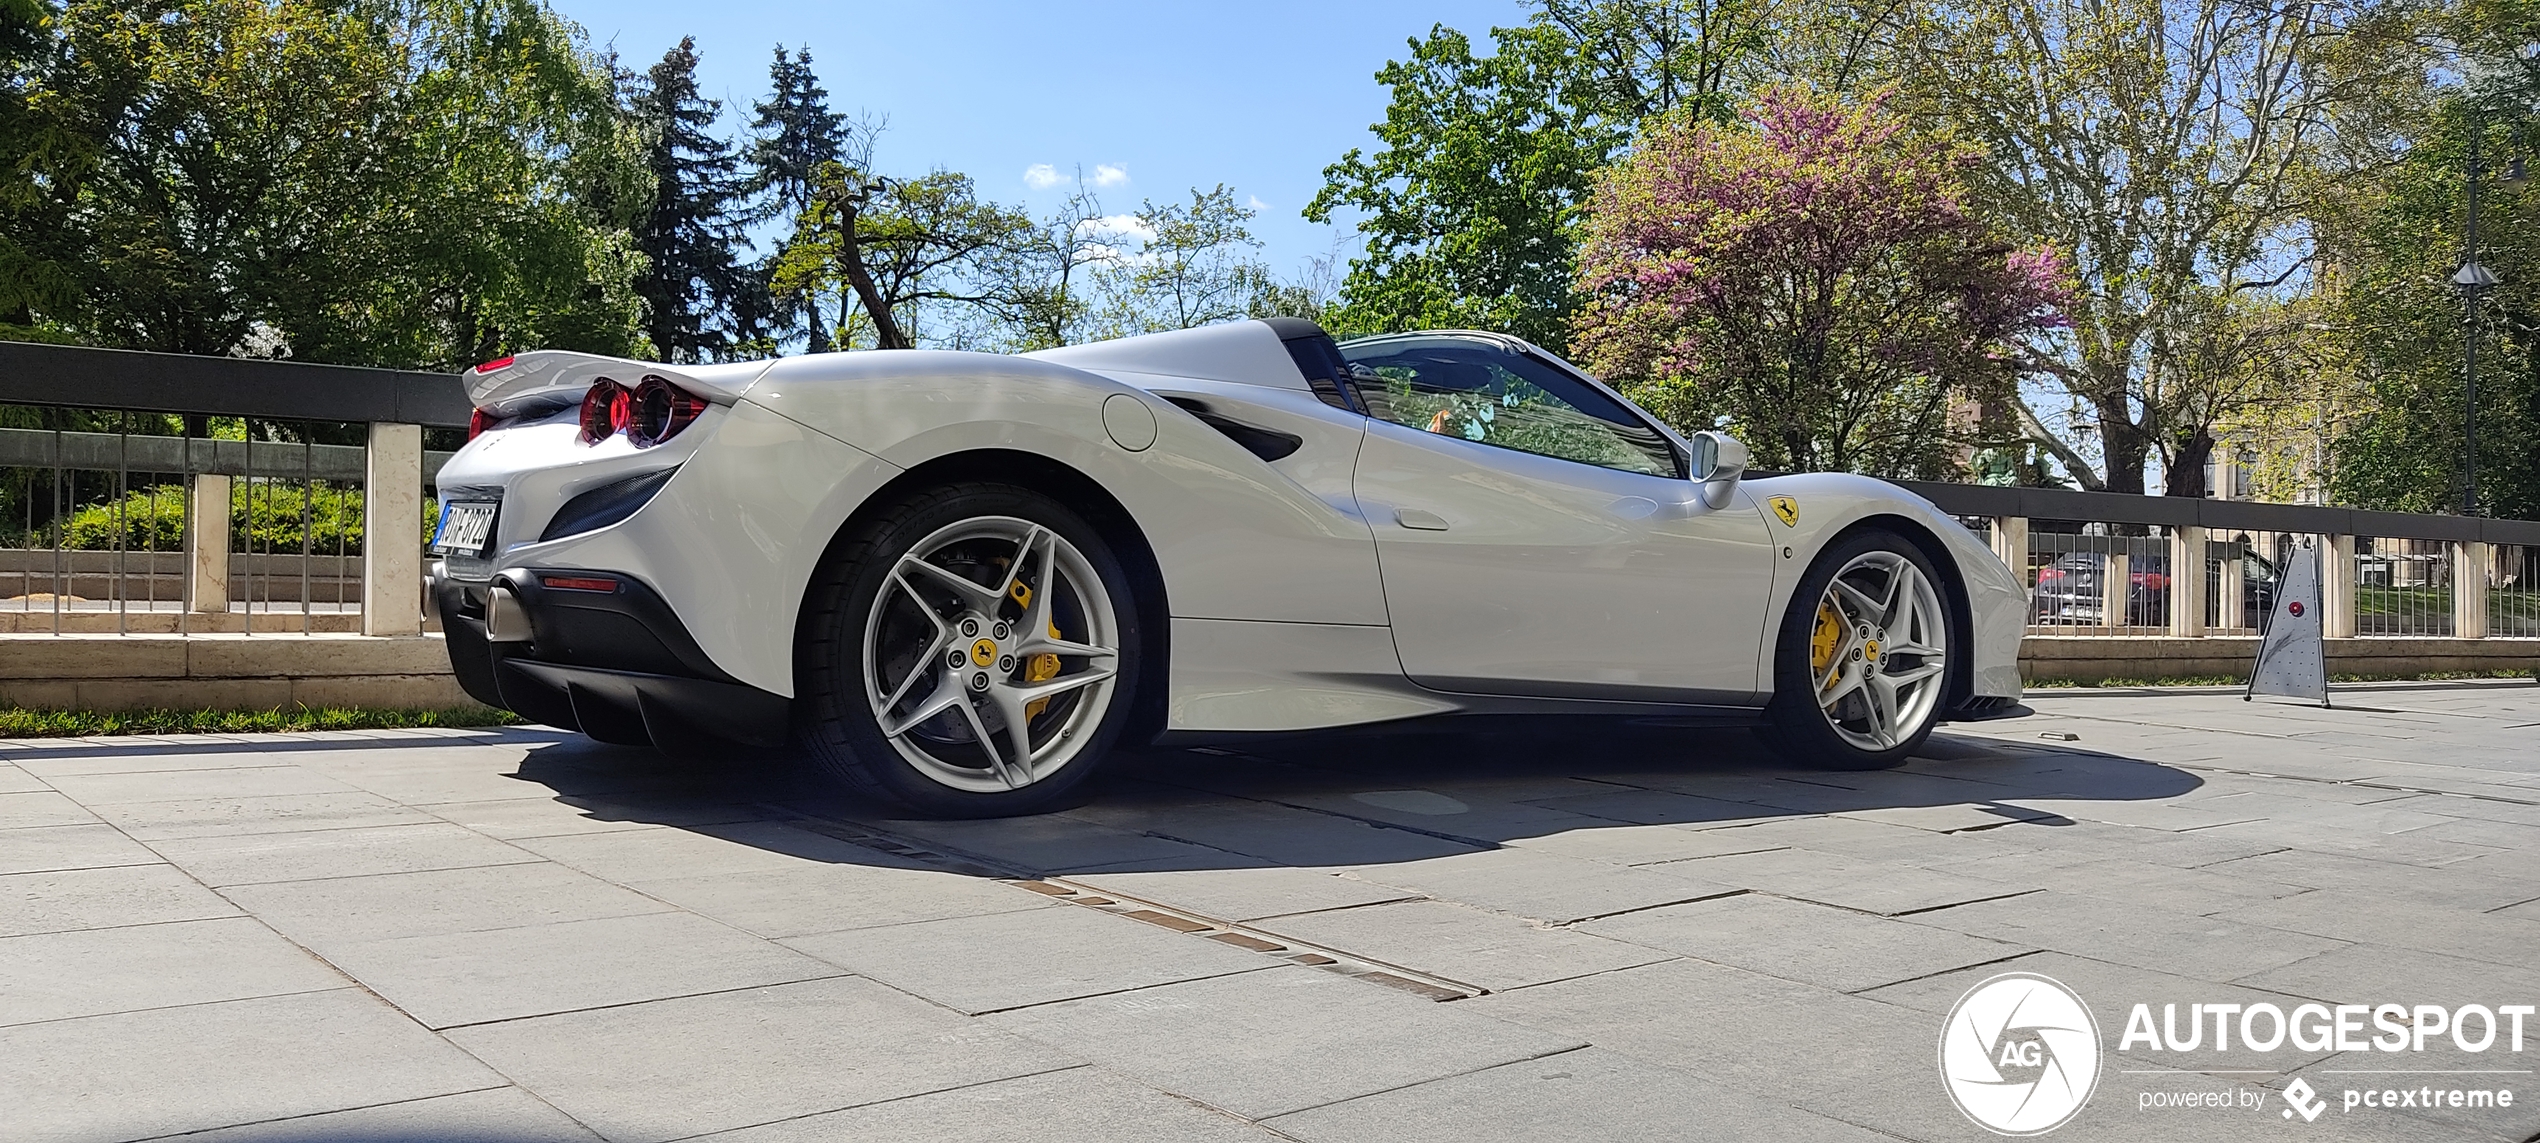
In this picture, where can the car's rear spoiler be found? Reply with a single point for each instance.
(550, 376)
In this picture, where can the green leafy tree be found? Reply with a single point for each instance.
(701, 300)
(910, 251)
(1466, 210)
(794, 132)
(1195, 264)
(2399, 444)
(387, 183)
(1469, 208)
(50, 159)
(1042, 286)
(2168, 148)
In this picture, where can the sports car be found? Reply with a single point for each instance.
(957, 581)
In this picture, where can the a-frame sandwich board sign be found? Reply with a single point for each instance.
(2292, 659)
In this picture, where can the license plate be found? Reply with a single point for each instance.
(464, 528)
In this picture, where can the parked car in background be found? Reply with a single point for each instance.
(2068, 591)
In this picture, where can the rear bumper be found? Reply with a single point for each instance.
(616, 665)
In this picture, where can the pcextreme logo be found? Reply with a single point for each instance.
(2020, 1054)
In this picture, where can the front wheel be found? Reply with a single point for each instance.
(971, 653)
(1863, 658)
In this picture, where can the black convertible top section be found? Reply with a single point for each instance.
(1318, 357)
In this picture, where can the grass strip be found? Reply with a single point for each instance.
(2237, 680)
(20, 722)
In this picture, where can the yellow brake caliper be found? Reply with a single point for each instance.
(1822, 641)
(1039, 668)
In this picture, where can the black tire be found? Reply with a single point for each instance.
(1798, 724)
(835, 719)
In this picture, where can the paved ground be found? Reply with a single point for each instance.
(1625, 934)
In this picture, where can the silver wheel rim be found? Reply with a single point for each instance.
(989, 654)
(1878, 651)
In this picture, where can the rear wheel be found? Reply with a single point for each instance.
(971, 654)
(1863, 658)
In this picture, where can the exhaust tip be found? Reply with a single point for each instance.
(506, 621)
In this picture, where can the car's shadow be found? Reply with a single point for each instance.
(1360, 798)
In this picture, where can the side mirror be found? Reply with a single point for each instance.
(1718, 460)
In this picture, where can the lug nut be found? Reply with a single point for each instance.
(1001, 632)
(979, 682)
(1005, 663)
(957, 659)
(969, 627)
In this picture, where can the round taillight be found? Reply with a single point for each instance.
(477, 422)
(604, 411)
(660, 410)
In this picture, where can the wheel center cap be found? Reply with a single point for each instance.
(983, 652)
(1870, 650)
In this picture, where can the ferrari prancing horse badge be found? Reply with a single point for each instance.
(1787, 509)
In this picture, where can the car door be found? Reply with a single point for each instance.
(1537, 537)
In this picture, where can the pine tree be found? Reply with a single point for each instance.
(794, 132)
(698, 292)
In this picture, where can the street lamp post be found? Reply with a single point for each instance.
(2473, 280)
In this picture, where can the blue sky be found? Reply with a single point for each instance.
(1170, 95)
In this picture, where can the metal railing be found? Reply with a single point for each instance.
(2100, 563)
(145, 493)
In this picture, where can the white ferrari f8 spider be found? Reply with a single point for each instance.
(958, 580)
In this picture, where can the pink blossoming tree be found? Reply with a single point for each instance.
(1812, 278)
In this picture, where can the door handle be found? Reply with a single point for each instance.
(1415, 518)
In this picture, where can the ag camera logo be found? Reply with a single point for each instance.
(2020, 1054)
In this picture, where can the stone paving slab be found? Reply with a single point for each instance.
(1264, 1044)
(1843, 882)
(517, 935)
(131, 968)
(874, 891)
(494, 1115)
(51, 849)
(1078, 1105)
(65, 900)
(1463, 943)
(2208, 947)
(332, 912)
(974, 964)
(1586, 1094)
(277, 813)
(1249, 894)
(1816, 944)
(136, 1075)
(699, 1064)
(447, 980)
(1545, 887)
(1747, 1031)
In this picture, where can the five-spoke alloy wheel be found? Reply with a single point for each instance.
(1862, 665)
(973, 653)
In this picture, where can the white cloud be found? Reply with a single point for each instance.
(1114, 227)
(1040, 176)
(1254, 201)
(1110, 174)
(1116, 238)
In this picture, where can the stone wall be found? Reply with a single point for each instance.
(226, 672)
